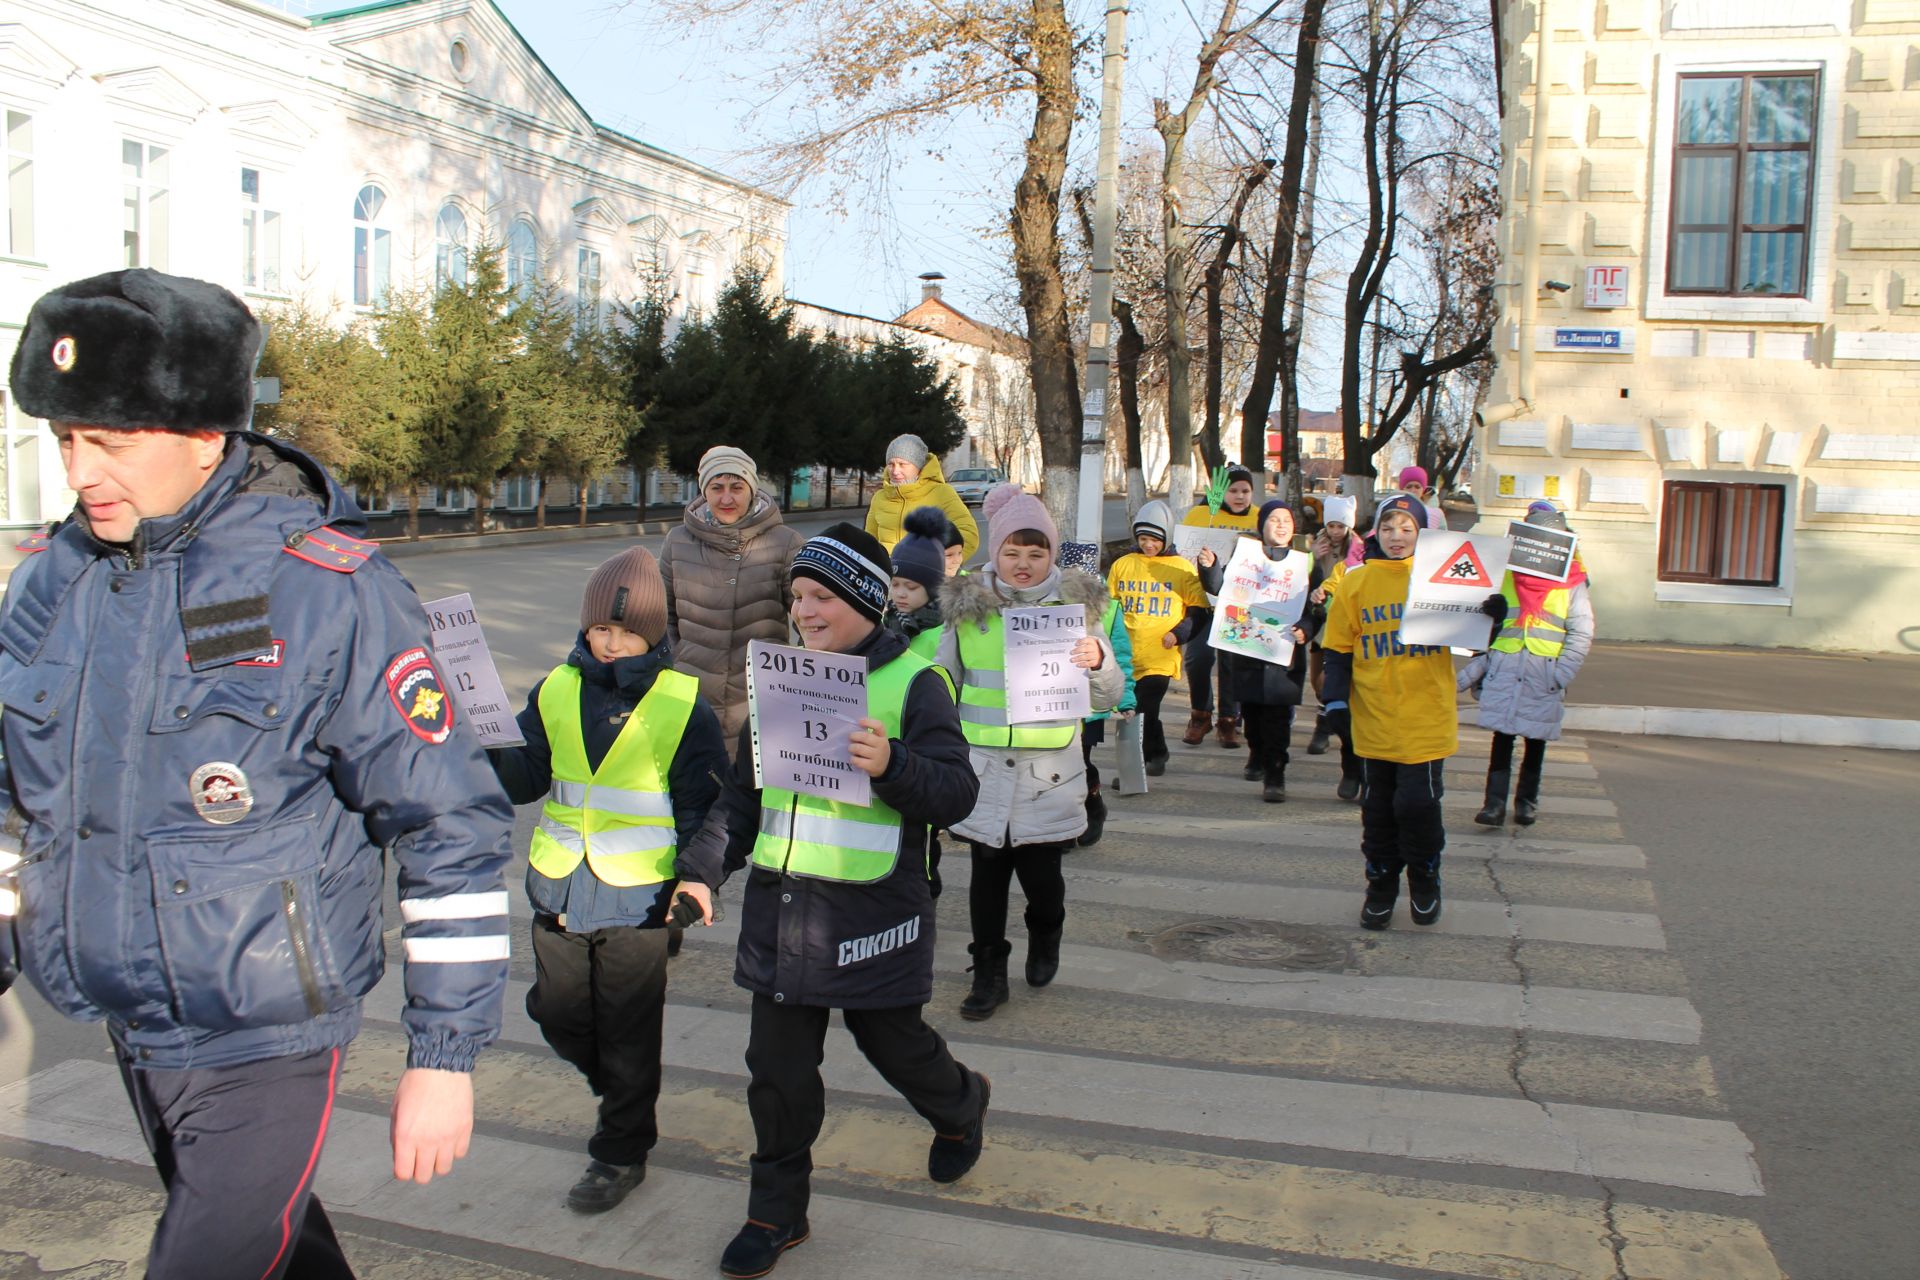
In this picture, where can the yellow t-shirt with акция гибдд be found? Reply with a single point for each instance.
(1155, 593)
(1402, 697)
(1201, 517)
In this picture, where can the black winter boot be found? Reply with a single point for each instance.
(1495, 811)
(1526, 795)
(1317, 745)
(989, 971)
(1423, 894)
(1382, 891)
(1275, 790)
(1043, 953)
(1096, 819)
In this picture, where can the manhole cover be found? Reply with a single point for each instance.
(1253, 943)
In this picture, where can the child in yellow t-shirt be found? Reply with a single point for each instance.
(1163, 607)
(1396, 700)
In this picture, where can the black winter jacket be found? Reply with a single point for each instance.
(1269, 683)
(800, 937)
(608, 694)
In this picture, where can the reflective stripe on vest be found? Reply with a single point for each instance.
(1543, 634)
(625, 833)
(983, 695)
(829, 839)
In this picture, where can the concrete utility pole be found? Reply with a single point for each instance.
(1106, 192)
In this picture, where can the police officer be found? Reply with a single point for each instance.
(221, 706)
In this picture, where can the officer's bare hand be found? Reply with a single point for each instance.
(432, 1123)
(1169, 641)
(1206, 558)
(700, 894)
(872, 751)
(1086, 653)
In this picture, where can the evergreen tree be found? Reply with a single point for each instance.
(466, 431)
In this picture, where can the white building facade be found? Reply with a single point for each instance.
(325, 161)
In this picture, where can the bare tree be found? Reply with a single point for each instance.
(1279, 276)
(866, 76)
(1173, 127)
(1213, 288)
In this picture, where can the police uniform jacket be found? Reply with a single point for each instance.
(609, 692)
(211, 736)
(828, 943)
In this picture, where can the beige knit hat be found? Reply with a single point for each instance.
(627, 590)
(725, 460)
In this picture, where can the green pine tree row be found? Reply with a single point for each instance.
(481, 380)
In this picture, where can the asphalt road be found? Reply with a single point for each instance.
(1788, 883)
(1666, 1033)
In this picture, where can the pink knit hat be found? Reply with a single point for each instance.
(1008, 510)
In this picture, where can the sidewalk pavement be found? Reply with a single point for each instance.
(1757, 695)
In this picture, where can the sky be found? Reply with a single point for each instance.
(689, 96)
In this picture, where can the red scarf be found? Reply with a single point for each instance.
(1532, 591)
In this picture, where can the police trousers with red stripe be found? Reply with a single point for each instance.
(237, 1148)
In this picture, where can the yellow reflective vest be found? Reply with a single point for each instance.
(983, 694)
(1543, 634)
(805, 835)
(619, 817)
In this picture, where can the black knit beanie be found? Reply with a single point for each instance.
(851, 563)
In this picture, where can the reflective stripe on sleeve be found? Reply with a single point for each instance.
(492, 946)
(455, 906)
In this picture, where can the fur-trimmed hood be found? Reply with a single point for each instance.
(973, 597)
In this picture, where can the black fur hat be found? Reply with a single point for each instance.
(139, 349)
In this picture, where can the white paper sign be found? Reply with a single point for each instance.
(1188, 539)
(1260, 600)
(1452, 576)
(460, 647)
(1042, 682)
(804, 705)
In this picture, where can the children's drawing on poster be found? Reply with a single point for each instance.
(1260, 600)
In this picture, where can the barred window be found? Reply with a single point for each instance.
(1722, 533)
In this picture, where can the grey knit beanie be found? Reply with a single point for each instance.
(911, 448)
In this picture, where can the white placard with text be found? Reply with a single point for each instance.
(460, 647)
(1453, 574)
(804, 705)
(1042, 682)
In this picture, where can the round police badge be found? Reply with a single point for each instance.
(221, 794)
(65, 352)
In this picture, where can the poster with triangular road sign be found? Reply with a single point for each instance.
(1464, 570)
(1453, 574)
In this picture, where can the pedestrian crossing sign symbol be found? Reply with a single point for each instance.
(1464, 569)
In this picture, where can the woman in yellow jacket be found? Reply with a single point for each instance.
(914, 480)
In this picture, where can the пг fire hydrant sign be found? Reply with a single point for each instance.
(1042, 682)
(460, 646)
(804, 705)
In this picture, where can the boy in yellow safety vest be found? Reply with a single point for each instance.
(838, 913)
(626, 754)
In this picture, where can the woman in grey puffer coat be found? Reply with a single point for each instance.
(1521, 681)
(725, 569)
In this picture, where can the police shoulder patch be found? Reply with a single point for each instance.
(329, 548)
(37, 542)
(419, 695)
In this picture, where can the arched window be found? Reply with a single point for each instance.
(450, 248)
(523, 258)
(372, 248)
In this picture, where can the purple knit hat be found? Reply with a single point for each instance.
(1008, 510)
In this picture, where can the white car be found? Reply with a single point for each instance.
(974, 483)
